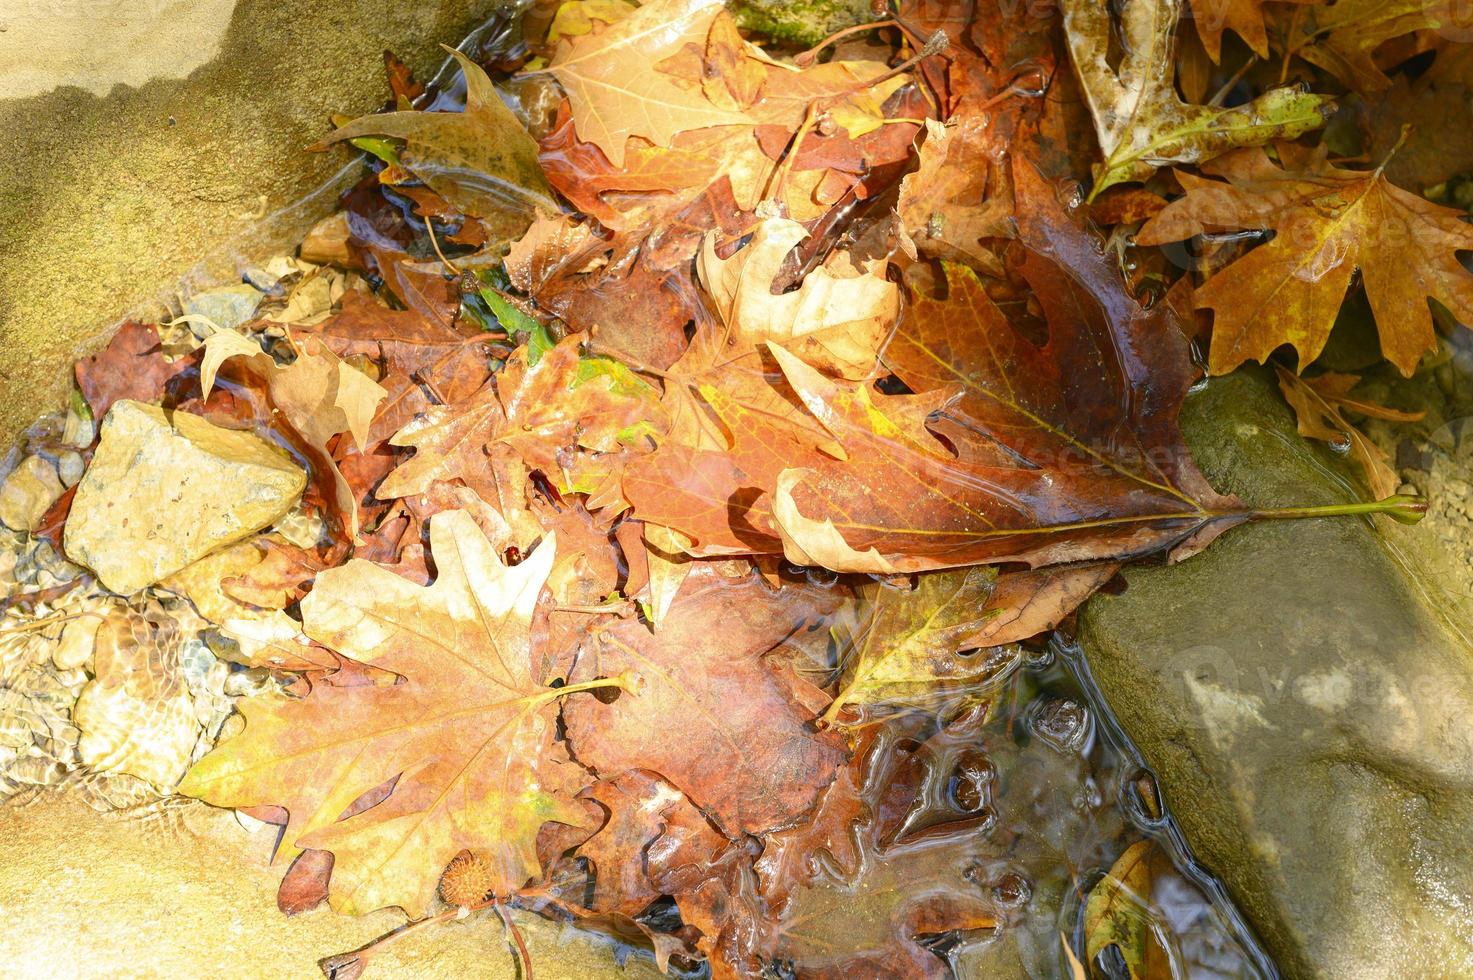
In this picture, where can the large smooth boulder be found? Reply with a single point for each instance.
(164, 489)
(187, 893)
(1304, 692)
(149, 143)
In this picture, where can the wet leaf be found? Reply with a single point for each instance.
(617, 89)
(481, 160)
(466, 740)
(1319, 404)
(837, 317)
(1140, 121)
(746, 754)
(1329, 222)
(1119, 912)
(318, 394)
(909, 637)
(1342, 37)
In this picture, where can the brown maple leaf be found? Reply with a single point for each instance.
(1328, 223)
(1015, 451)
(424, 361)
(1319, 404)
(465, 741)
(745, 752)
(540, 403)
(131, 367)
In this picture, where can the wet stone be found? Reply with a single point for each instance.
(27, 492)
(1304, 695)
(166, 489)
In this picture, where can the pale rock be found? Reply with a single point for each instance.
(164, 490)
(225, 307)
(70, 467)
(30, 489)
(75, 649)
(137, 716)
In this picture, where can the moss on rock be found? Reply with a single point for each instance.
(804, 22)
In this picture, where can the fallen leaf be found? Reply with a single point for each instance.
(1328, 222)
(948, 205)
(466, 740)
(905, 642)
(836, 319)
(481, 159)
(1119, 912)
(616, 88)
(1140, 121)
(132, 367)
(1318, 405)
(319, 394)
(1243, 17)
(637, 803)
(1342, 37)
(746, 753)
(533, 409)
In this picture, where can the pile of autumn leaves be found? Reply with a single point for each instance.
(596, 550)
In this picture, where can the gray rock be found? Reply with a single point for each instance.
(165, 489)
(1304, 693)
(226, 307)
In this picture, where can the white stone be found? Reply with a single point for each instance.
(165, 490)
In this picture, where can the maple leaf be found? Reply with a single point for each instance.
(746, 752)
(1319, 404)
(638, 803)
(132, 367)
(1245, 17)
(538, 404)
(1342, 37)
(466, 740)
(1328, 222)
(1035, 466)
(416, 353)
(903, 644)
(617, 90)
(1118, 912)
(319, 394)
(1438, 147)
(1140, 121)
(481, 159)
(836, 319)
(946, 204)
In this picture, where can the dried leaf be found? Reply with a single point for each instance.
(836, 319)
(319, 395)
(1342, 37)
(1318, 403)
(616, 88)
(1328, 222)
(466, 740)
(481, 160)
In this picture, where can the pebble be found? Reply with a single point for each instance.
(28, 492)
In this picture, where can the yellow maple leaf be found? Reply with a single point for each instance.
(1328, 222)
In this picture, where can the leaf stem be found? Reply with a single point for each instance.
(1401, 507)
